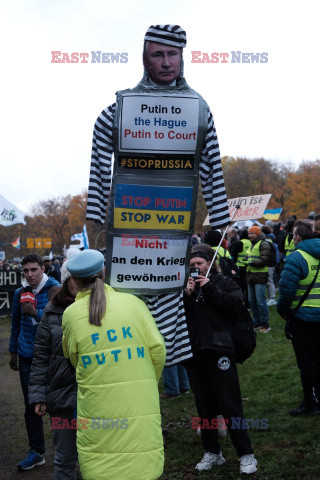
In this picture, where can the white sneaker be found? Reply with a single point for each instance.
(248, 463)
(209, 459)
(271, 302)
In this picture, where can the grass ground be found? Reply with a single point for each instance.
(288, 449)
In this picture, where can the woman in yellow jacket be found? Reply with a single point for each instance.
(118, 352)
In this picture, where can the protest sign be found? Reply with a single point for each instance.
(152, 207)
(153, 123)
(251, 207)
(143, 262)
(9, 282)
(154, 188)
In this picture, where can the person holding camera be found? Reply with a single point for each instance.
(212, 371)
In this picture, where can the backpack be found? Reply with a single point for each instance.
(229, 268)
(243, 335)
(274, 255)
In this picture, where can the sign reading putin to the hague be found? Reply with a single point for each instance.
(154, 190)
(158, 124)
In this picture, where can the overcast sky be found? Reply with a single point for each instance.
(48, 110)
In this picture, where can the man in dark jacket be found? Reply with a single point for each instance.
(28, 305)
(212, 371)
(235, 245)
(298, 273)
(257, 277)
(51, 270)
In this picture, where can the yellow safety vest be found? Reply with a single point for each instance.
(254, 253)
(313, 298)
(222, 252)
(245, 251)
(288, 246)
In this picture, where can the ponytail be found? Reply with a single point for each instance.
(97, 305)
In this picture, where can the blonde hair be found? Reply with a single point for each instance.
(98, 301)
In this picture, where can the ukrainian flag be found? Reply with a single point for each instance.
(272, 214)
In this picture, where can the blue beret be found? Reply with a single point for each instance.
(87, 263)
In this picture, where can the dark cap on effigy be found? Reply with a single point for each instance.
(172, 35)
(87, 263)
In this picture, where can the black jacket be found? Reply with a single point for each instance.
(52, 378)
(210, 320)
(265, 254)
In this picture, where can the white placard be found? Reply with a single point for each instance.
(251, 207)
(148, 263)
(159, 124)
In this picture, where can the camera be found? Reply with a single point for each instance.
(194, 272)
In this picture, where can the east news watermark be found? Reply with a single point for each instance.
(98, 423)
(197, 56)
(95, 423)
(98, 56)
(235, 56)
(233, 423)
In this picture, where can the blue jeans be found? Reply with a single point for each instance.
(33, 421)
(175, 379)
(258, 303)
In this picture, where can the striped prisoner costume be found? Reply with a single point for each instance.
(167, 309)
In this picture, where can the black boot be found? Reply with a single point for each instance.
(305, 409)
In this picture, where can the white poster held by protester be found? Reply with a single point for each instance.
(9, 213)
(251, 207)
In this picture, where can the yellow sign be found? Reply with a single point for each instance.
(30, 242)
(47, 243)
(151, 219)
(38, 242)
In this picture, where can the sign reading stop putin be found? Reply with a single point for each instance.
(159, 124)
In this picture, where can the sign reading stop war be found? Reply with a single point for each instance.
(152, 207)
(146, 262)
(251, 207)
(163, 124)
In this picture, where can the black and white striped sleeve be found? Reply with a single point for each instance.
(212, 182)
(101, 166)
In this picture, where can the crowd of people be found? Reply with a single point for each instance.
(64, 334)
(92, 357)
(52, 266)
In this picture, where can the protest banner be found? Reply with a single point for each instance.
(152, 123)
(9, 282)
(152, 207)
(251, 207)
(154, 189)
(144, 262)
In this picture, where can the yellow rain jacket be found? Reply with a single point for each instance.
(118, 366)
